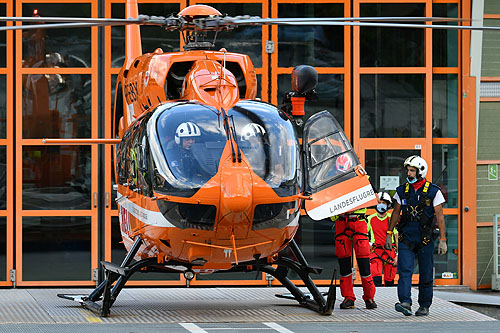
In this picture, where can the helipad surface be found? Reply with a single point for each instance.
(210, 305)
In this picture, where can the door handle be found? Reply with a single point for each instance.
(95, 199)
(107, 199)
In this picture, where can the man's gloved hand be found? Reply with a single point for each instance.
(395, 263)
(442, 247)
(388, 242)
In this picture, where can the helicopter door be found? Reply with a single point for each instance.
(334, 178)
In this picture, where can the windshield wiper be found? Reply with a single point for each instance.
(235, 137)
(229, 133)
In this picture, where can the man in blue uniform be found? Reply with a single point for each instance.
(418, 201)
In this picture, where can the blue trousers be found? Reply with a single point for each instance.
(406, 265)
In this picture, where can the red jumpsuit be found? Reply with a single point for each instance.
(381, 260)
(351, 233)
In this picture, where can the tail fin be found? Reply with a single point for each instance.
(133, 47)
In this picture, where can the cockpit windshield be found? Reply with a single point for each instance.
(188, 144)
(268, 141)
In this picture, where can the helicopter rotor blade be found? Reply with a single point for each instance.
(232, 22)
(78, 22)
(218, 23)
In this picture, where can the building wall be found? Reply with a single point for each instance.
(488, 149)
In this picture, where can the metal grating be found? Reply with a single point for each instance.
(489, 89)
(209, 305)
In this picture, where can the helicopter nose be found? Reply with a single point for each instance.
(236, 188)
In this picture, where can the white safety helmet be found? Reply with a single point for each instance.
(344, 163)
(252, 130)
(186, 130)
(419, 163)
(384, 196)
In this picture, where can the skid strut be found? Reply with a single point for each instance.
(318, 302)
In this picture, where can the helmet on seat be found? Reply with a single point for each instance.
(344, 163)
(417, 162)
(187, 129)
(252, 130)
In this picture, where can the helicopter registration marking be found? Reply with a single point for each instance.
(144, 215)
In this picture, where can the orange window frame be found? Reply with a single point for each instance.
(20, 143)
(8, 143)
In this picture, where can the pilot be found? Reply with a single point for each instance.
(183, 162)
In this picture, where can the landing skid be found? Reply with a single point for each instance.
(116, 277)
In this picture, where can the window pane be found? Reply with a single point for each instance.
(449, 262)
(57, 47)
(246, 40)
(152, 37)
(3, 249)
(445, 172)
(392, 105)
(3, 177)
(445, 42)
(321, 46)
(3, 107)
(57, 106)
(445, 106)
(330, 97)
(56, 177)
(3, 39)
(56, 248)
(395, 47)
(386, 165)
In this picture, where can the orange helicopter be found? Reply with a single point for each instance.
(209, 178)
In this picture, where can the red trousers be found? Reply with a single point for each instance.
(381, 262)
(351, 233)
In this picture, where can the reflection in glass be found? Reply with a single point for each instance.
(330, 97)
(3, 177)
(57, 47)
(56, 177)
(392, 105)
(246, 40)
(449, 262)
(445, 106)
(57, 106)
(320, 46)
(3, 39)
(56, 248)
(3, 249)
(385, 168)
(445, 42)
(392, 47)
(152, 37)
(445, 172)
(3, 107)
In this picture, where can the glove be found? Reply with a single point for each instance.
(388, 242)
(442, 247)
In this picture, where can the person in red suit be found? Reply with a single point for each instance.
(351, 235)
(382, 261)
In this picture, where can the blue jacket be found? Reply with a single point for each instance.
(409, 225)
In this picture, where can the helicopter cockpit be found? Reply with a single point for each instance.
(187, 140)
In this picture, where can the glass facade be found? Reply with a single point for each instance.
(392, 106)
(56, 248)
(396, 92)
